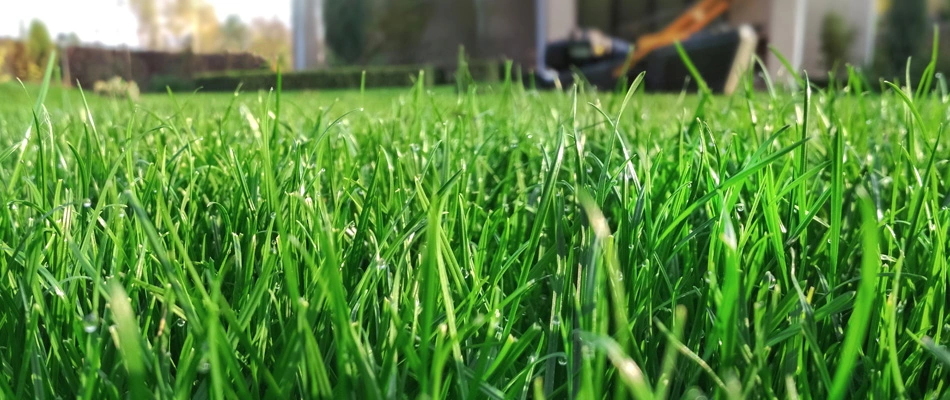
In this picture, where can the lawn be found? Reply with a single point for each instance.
(500, 243)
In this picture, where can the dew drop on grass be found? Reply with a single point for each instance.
(90, 323)
(562, 360)
(87, 203)
(771, 279)
(555, 323)
(181, 322)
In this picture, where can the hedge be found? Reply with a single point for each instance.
(177, 83)
(89, 64)
(341, 77)
(485, 71)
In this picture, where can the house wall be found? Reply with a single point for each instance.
(594, 14)
(447, 28)
(794, 28)
(631, 18)
(753, 12)
(509, 31)
(489, 29)
(507, 28)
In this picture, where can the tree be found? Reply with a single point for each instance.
(399, 27)
(235, 34)
(180, 20)
(194, 25)
(39, 44)
(346, 28)
(207, 29)
(178, 24)
(150, 30)
(4, 76)
(906, 29)
(270, 39)
(68, 39)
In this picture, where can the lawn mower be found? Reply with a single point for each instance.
(720, 56)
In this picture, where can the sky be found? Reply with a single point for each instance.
(110, 22)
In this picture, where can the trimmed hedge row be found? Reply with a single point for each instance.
(480, 71)
(345, 77)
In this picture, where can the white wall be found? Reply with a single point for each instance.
(786, 33)
(561, 18)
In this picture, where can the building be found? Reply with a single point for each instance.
(793, 27)
(309, 34)
(518, 29)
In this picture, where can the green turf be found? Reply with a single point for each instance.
(505, 244)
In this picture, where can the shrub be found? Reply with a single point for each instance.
(16, 61)
(334, 78)
(117, 87)
(836, 38)
(4, 76)
(346, 28)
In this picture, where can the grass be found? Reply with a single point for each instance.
(505, 244)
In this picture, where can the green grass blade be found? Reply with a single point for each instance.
(863, 304)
